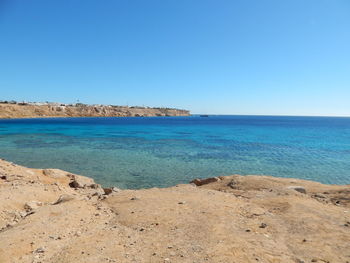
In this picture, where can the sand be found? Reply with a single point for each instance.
(54, 216)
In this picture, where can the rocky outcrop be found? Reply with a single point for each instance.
(41, 111)
(46, 218)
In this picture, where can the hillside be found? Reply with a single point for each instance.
(53, 110)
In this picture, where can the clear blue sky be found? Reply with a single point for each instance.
(223, 57)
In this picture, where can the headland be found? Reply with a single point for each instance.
(13, 109)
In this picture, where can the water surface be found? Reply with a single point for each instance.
(164, 151)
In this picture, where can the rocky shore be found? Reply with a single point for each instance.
(24, 110)
(54, 216)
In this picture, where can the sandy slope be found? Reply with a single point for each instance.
(31, 111)
(233, 219)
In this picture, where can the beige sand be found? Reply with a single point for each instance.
(54, 216)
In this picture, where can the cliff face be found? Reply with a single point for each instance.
(55, 216)
(33, 111)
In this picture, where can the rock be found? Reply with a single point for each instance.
(232, 184)
(299, 189)
(3, 177)
(63, 198)
(23, 214)
(263, 225)
(116, 189)
(319, 196)
(78, 181)
(55, 173)
(75, 184)
(32, 206)
(108, 190)
(199, 182)
(95, 186)
(39, 250)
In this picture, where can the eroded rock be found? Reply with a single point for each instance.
(299, 189)
(199, 182)
(78, 181)
(32, 206)
(63, 198)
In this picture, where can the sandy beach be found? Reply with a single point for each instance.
(54, 216)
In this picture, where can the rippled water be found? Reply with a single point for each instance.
(163, 151)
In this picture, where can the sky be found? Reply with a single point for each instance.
(258, 57)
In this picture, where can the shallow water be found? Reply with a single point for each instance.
(164, 151)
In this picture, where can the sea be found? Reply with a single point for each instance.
(139, 152)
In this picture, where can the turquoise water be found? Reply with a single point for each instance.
(164, 151)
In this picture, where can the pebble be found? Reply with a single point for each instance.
(299, 189)
(63, 198)
(263, 225)
(199, 182)
(39, 250)
(32, 205)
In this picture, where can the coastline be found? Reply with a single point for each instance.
(56, 110)
(240, 218)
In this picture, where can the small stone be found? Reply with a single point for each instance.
(108, 191)
(299, 189)
(39, 250)
(182, 202)
(75, 184)
(32, 206)
(78, 181)
(95, 186)
(23, 214)
(199, 182)
(263, 225)
(319, 196)
(63, 198)
(232, 184)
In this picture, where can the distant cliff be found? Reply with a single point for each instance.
(24, 110)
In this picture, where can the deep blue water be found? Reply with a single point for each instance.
(164, 151)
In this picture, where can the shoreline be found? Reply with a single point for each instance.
(240, 218)
(56, 110)
(78, 117)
